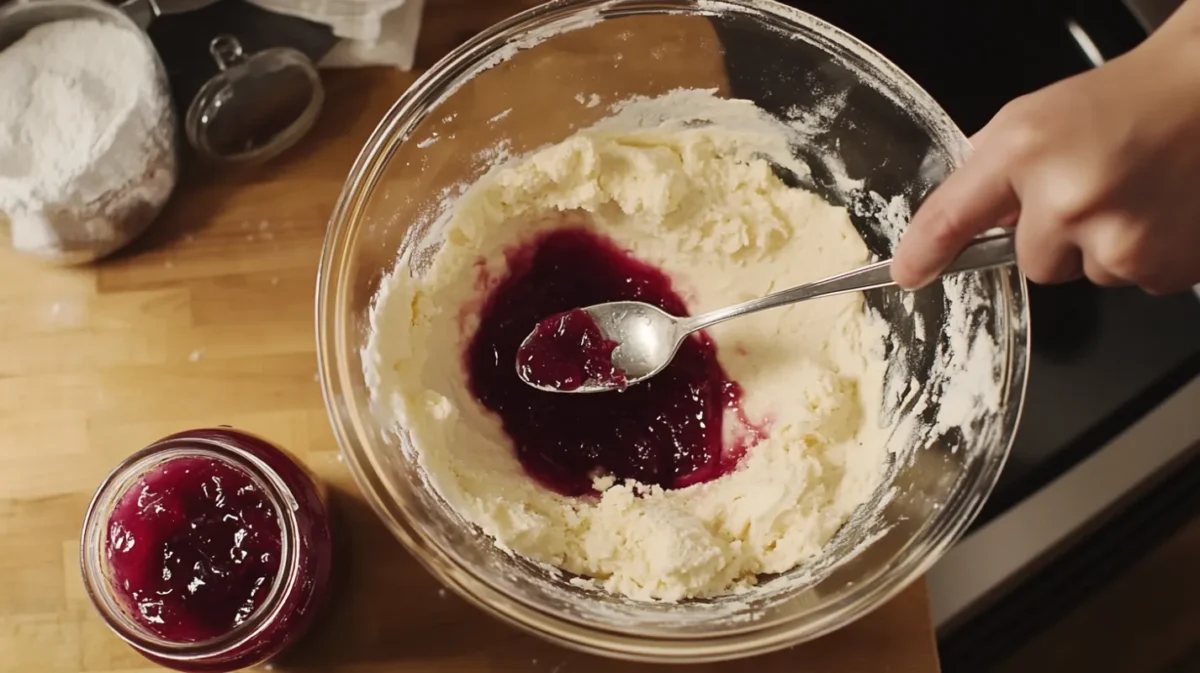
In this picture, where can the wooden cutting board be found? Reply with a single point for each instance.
(209, 320)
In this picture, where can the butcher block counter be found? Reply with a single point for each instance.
(208, 320)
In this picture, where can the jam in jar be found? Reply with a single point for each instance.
(209, 550)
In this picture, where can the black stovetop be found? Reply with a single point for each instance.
(1101, 358)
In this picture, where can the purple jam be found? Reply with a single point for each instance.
(666, 431)
(567, 350)
(194, 547)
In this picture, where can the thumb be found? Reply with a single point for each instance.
(972, 200)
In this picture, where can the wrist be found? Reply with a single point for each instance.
(1182, 28)
(1170, 66)
(1168, 62)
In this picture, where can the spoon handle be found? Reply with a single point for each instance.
(984, 252)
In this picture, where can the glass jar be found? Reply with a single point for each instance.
(209, 550)
(256, 106)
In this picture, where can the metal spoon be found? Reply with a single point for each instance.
(647, 337)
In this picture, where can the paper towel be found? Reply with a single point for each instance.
(370, 32)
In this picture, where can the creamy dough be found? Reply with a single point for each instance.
(701, 203)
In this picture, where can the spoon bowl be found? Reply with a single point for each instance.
(646, 339)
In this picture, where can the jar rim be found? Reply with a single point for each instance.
(118, 483)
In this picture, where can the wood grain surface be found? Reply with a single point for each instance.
(209, 320)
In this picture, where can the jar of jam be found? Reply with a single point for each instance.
(209, 550)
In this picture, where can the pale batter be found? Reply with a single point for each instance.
(702, 204)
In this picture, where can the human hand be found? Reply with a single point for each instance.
(1100, 173)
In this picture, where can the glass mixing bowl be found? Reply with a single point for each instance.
(873, 141)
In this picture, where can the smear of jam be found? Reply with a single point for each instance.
(566, 351)
(665, 431)
(193, 548)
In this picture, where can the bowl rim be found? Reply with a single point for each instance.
(489, 48)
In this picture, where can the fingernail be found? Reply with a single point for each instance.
(904, 273)
(914, 266)
(904, 278)
(911, 284)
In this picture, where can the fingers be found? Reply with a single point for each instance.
(1046, 252)
(1101, 276)
(973, 199)
(1095, 270)
(1106, 241)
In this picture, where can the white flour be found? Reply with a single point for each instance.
(86, 155)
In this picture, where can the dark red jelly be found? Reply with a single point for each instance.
(210, 550)
(567, 350)
(194, 547)
(666, 431)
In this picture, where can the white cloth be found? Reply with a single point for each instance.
(371, 32)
